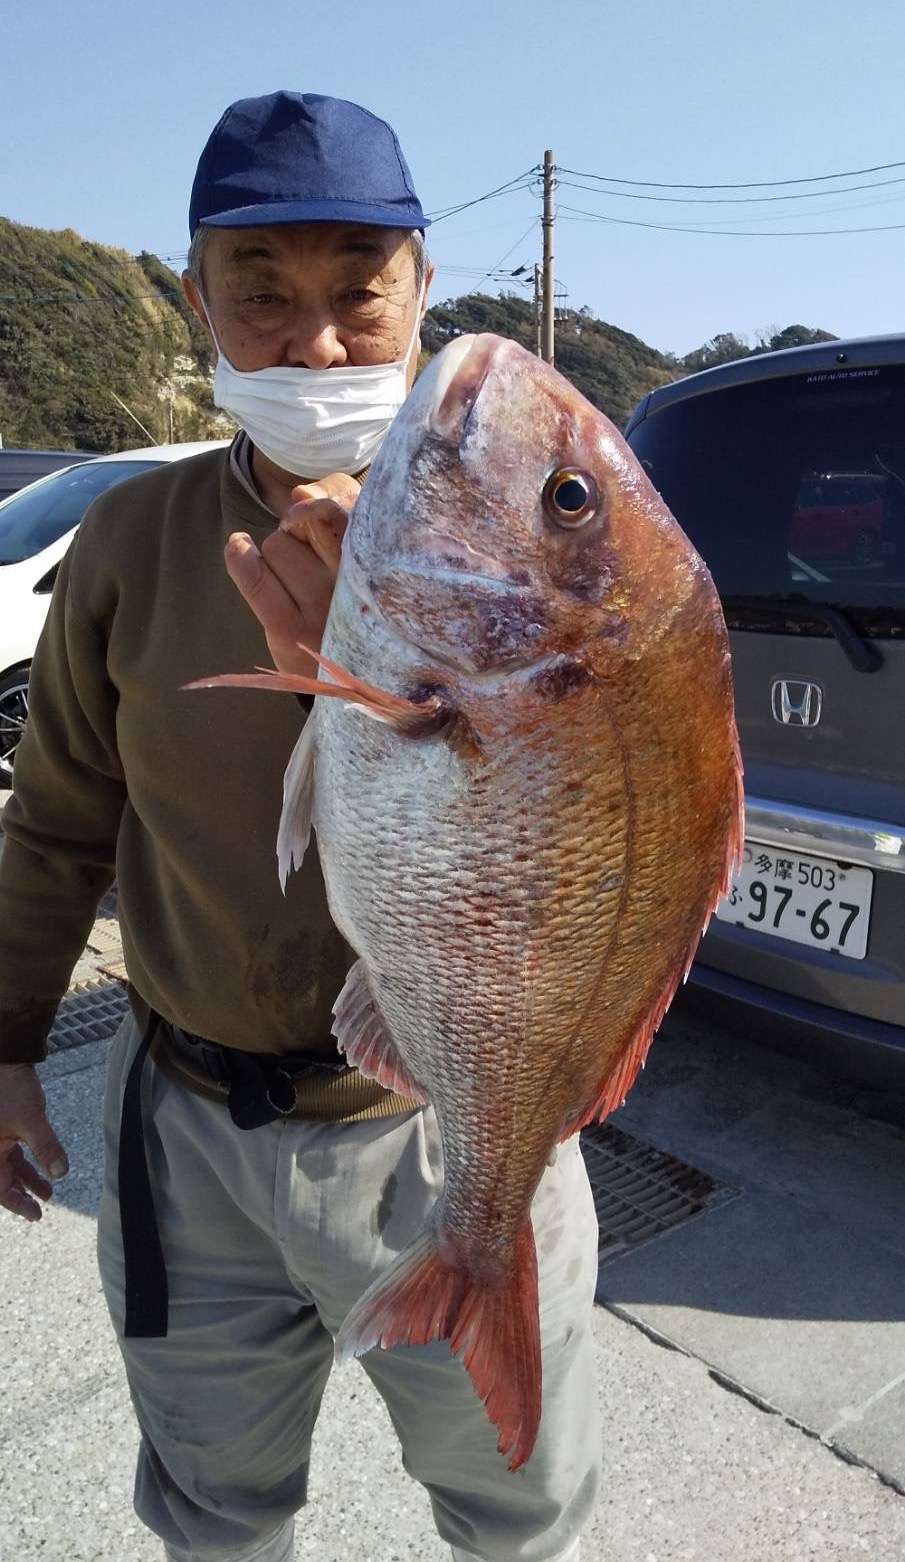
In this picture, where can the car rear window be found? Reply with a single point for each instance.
(35, 517)
(792, 490)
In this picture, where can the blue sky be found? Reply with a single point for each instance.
(106, 106)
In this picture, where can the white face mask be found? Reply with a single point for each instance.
(312, 422)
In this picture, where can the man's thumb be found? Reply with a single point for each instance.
(46, 1148)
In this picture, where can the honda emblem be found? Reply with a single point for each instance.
(796, 704)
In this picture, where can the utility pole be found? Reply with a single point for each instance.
(539, 346)
(144, 430)
(548, 301)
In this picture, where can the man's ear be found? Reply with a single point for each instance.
(194, 301)
(429, 275)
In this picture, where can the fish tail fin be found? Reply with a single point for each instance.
(495, 1331)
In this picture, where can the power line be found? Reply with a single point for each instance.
(530, 229)
(730, 200)
(729, 233)
(756, 184)
(795, 216)
(508, 188)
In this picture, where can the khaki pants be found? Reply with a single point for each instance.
(270, 1236)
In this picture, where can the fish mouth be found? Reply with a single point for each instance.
(462, 371)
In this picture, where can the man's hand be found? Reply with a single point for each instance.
(289, 584)
(23, 1121)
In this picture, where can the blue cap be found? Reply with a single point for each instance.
(300, 157)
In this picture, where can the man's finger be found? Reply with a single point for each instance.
(288, 590)
(12, 1195)
(273, 606)
(19, 1203)
(27, 1176)
(339, 486)
(327, 541)
(322, 526)
(46, 1148)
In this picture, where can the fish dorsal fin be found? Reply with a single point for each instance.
(616, 1084)
(361, 1033)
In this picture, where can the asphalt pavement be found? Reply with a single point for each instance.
(751, 1360)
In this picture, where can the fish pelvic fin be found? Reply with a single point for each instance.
(294, 831)
(361, 1033)
(494, 1331)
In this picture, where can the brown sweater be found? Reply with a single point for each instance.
(177, 794)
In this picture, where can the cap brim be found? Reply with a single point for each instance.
(273, 212)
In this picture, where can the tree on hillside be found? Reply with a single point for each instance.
(81, 325)
(792, 336)
(725, 347)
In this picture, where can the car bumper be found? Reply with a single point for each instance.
(865, 1053)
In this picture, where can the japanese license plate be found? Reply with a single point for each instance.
(808, 900)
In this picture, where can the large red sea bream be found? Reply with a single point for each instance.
(524, 846)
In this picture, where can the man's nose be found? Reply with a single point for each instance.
(314, 344)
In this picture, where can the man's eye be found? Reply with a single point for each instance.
(263, 299)
(362, 295)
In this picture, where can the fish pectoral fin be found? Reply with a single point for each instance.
(294, 832)
(361, 1033)
(415, 718)
(495, 1331)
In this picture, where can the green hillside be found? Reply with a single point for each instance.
(612, 368)
(84, 328)
(81, 324)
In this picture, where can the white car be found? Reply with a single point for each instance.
(37, 524)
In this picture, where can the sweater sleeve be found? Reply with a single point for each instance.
(60, 825)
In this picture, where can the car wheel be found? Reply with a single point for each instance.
(13, 715)
(865, 550)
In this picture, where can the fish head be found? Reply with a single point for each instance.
(505, 520)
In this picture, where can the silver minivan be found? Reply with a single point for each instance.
(787, 471)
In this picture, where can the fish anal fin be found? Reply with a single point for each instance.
(494, 1330)
(361, 1033)
(294, 832)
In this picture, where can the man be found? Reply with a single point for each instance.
(255, 1185)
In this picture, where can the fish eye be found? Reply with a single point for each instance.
(570, 497)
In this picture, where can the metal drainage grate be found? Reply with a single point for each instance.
(91, 1012)
(640, 1192)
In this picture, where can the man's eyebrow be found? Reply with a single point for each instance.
(352, 244)
(244, 252)
(357, 244)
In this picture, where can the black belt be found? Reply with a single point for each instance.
(261, 1089)
(260, 1086)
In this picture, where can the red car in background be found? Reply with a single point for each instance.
(839, 515)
